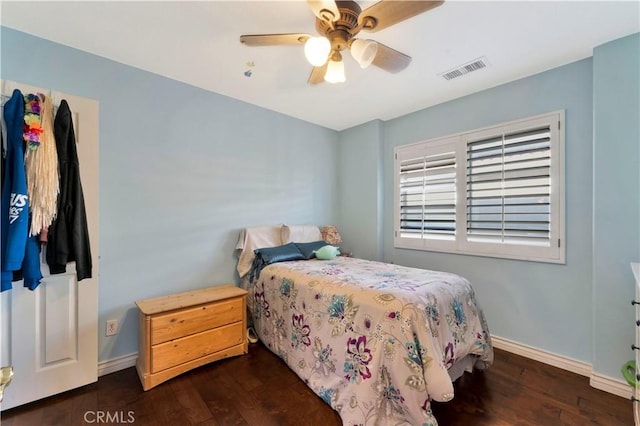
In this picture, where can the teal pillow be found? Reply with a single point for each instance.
(283, 253)
(327, 252)
(308, 249)
(268, 255)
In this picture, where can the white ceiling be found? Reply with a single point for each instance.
(198, 43)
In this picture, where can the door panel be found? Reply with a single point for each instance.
(56, 304)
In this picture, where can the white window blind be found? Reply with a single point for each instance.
(509, 188)
(428, 196)
(497, 191)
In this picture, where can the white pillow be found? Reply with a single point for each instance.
(254, 238)
(300, 234)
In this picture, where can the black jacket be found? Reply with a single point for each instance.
(68, 236)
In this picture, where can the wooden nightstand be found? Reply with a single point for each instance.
(183, 331)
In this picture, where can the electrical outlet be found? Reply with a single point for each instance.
(112, 327)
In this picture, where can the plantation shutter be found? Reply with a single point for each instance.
(509, 188)
(427, 196)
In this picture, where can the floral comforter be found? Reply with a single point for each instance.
(373, 340)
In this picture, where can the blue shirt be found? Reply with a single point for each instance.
(15, 203)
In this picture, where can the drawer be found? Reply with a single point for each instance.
(169, 326)
(179, 351)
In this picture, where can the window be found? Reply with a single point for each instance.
(497, 191)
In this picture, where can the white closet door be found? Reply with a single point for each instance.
(50, 335)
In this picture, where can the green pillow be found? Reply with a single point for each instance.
(327, 252)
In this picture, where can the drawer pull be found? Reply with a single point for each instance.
(633, 302)
(634, 347)
(638, 323)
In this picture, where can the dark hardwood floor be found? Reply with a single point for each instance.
(259, 389)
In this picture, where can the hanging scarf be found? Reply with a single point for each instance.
(41, 162)
(32, 128)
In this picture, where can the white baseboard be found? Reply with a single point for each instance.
(563, 362)
(605, 383)
(611, 385)
(117, 364)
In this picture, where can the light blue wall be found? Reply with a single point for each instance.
(543, 305)
(182, 170)
(581, 309)
(360, 190)
(616, 196)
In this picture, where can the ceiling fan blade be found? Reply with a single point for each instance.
(274, 39)
(325, 9)
(390, 59)
(317, 74)
(386, 13)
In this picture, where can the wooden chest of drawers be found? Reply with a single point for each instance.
(186, 330)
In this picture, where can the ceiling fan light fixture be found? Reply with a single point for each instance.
(335, 72)
(364, 51)
(316, 50)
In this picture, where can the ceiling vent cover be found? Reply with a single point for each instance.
(475, 65)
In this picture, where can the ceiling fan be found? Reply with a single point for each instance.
(338, 23)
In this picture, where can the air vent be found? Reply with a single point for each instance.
(474, 65)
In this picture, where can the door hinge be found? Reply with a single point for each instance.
(558, 242)
(558, 124)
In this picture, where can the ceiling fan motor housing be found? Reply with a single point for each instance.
(340, 32)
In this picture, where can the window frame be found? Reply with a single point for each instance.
(555, 252)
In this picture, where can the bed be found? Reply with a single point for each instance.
(376, 341)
